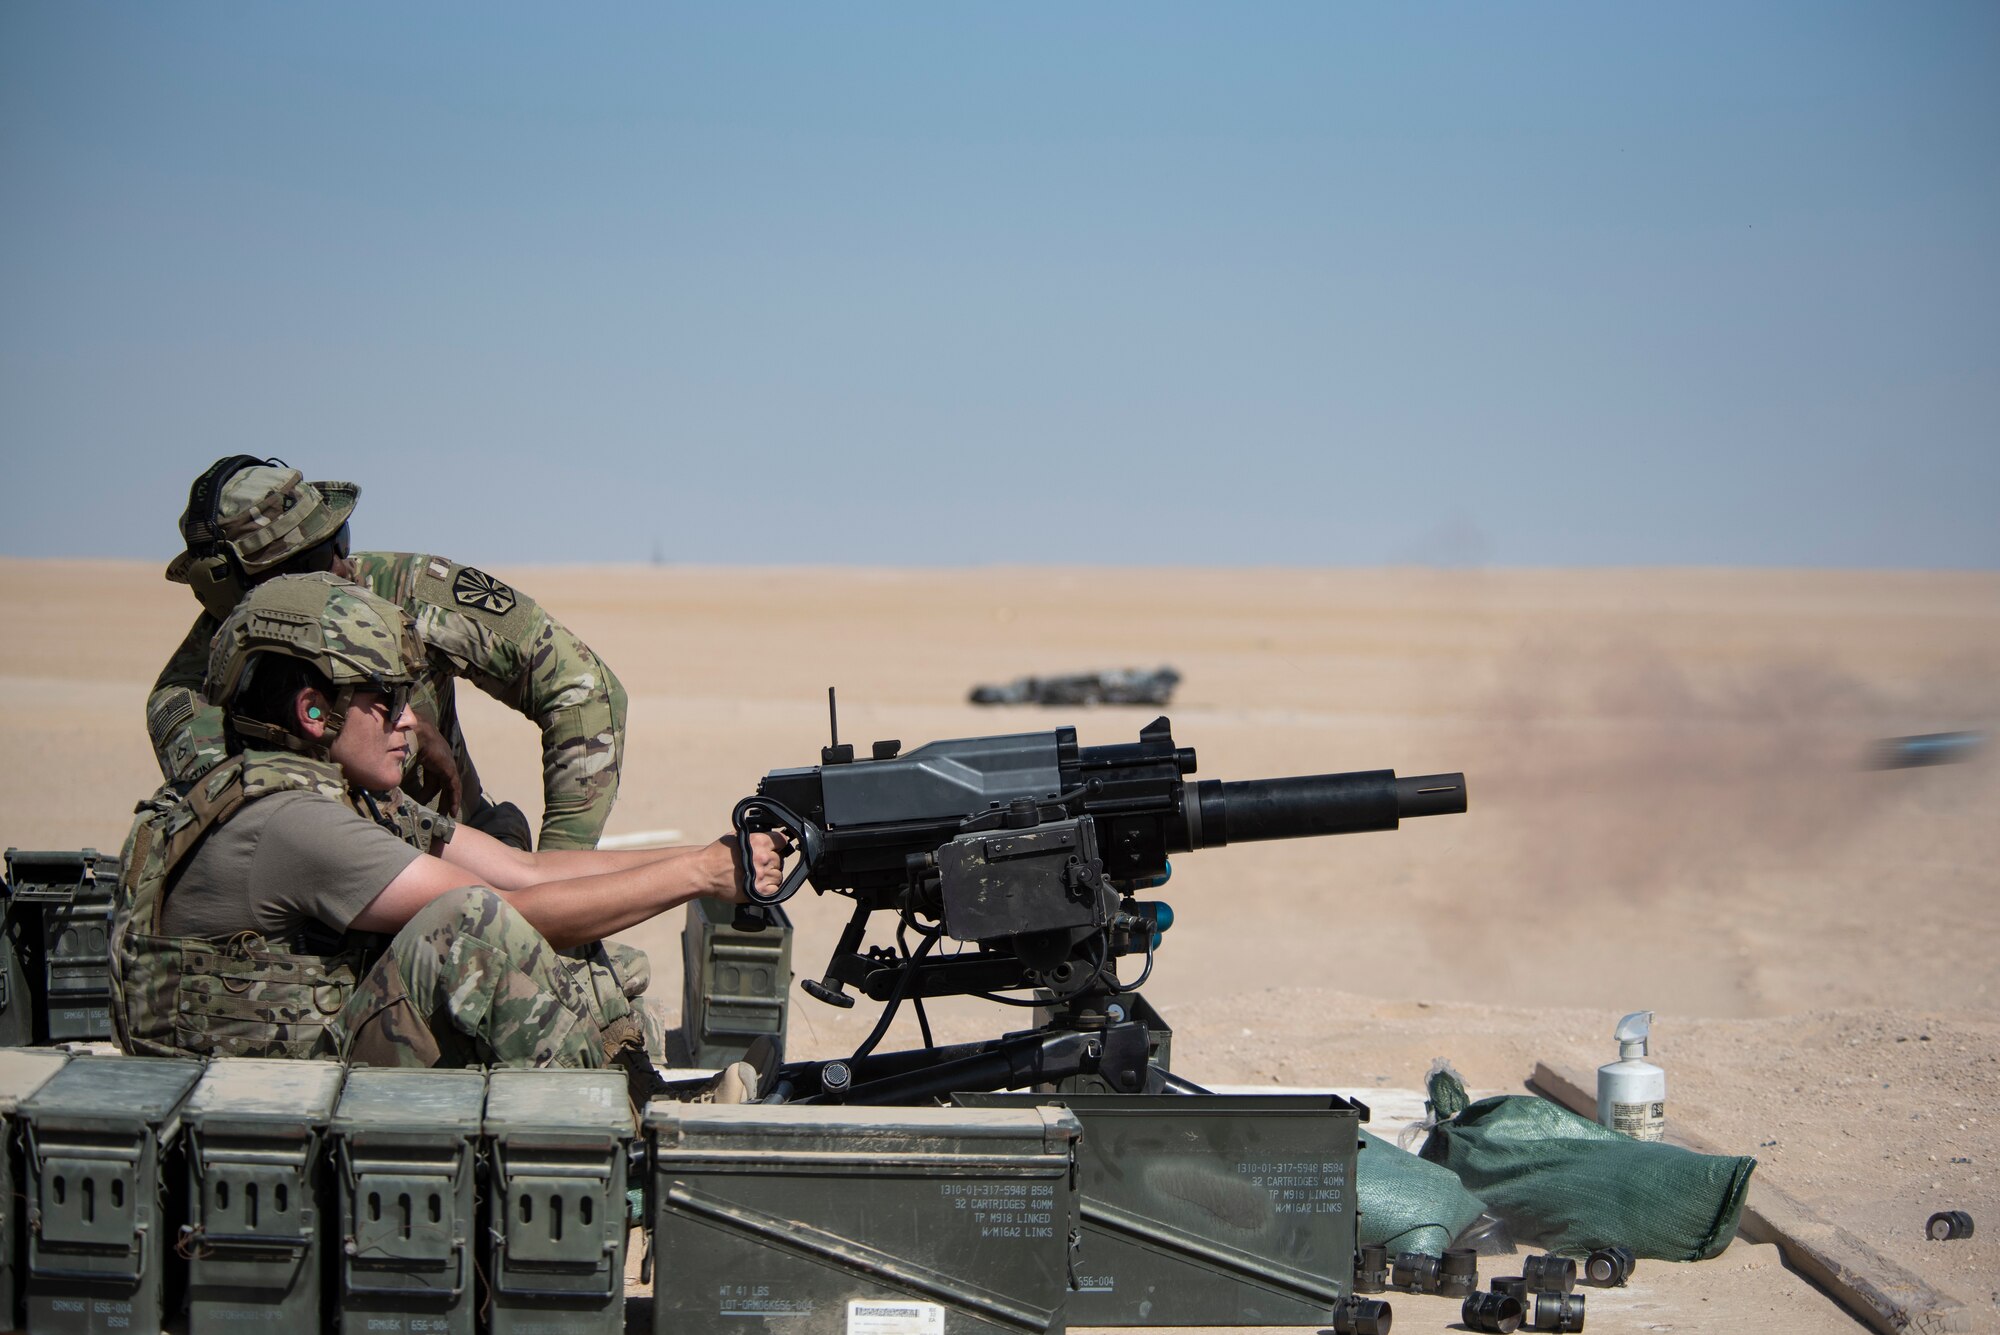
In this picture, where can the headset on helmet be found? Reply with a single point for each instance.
(247, 518)
(213, 571)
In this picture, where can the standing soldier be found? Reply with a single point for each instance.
(249, 520)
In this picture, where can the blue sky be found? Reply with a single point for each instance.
(1520, 284)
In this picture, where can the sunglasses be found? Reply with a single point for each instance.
(395, 694)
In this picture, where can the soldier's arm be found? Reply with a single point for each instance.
(504, 866)
(575, 910)
(512, 649)
(185, 729)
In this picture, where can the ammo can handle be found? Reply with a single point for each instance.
(353, 1284)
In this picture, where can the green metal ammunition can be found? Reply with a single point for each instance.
(405, 1143)
(825, 1220)
(22, 1072)
(56, 985)
(103, 1175)
(257, 1194)
(559, 1142)
(1225, 1210)
(735, 985)
(18, 926)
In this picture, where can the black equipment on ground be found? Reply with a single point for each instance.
(1492, 1311)
(1549, 1274)
(1561, 1312)
(1415, 1272)
(1362, 1316)
(1609, 1267)
(1458, 1277)
(1947, 1225)
(1371, 1269)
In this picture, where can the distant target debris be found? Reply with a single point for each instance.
(1124, 686)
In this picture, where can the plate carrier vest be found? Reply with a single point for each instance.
(197, 996)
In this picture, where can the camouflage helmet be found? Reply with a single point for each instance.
(352, 638)
(246, 515)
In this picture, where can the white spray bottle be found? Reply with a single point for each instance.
(1632, 1092)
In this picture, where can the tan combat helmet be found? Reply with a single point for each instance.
(352, 638)
(246, 515)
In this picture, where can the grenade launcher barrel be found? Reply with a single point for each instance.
(1253, 809)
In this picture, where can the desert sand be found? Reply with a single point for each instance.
(1669, 811)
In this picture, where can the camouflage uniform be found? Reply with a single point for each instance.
(508, 647)
(476, 628)
(466, 981)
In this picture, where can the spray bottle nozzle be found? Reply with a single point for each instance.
(1632, 1033)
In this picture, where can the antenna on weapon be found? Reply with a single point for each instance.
(836, 754)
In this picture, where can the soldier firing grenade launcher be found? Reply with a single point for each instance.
(1031, 847)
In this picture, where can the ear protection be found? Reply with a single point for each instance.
(312, 712)
(214, 574)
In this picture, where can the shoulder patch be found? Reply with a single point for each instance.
(476, 588)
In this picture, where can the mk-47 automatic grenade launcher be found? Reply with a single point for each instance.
(1032, 849)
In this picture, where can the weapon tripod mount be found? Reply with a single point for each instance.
(1092, 1034)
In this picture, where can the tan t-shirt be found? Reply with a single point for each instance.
(281, 863)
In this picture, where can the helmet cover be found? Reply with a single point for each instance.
(354, 639)
(265, 514)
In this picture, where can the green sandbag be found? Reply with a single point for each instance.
(1565, 1183)
(1405, 1203)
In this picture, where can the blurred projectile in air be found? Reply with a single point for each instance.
(1930, 748)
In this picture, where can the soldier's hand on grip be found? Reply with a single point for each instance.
(767, 859)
